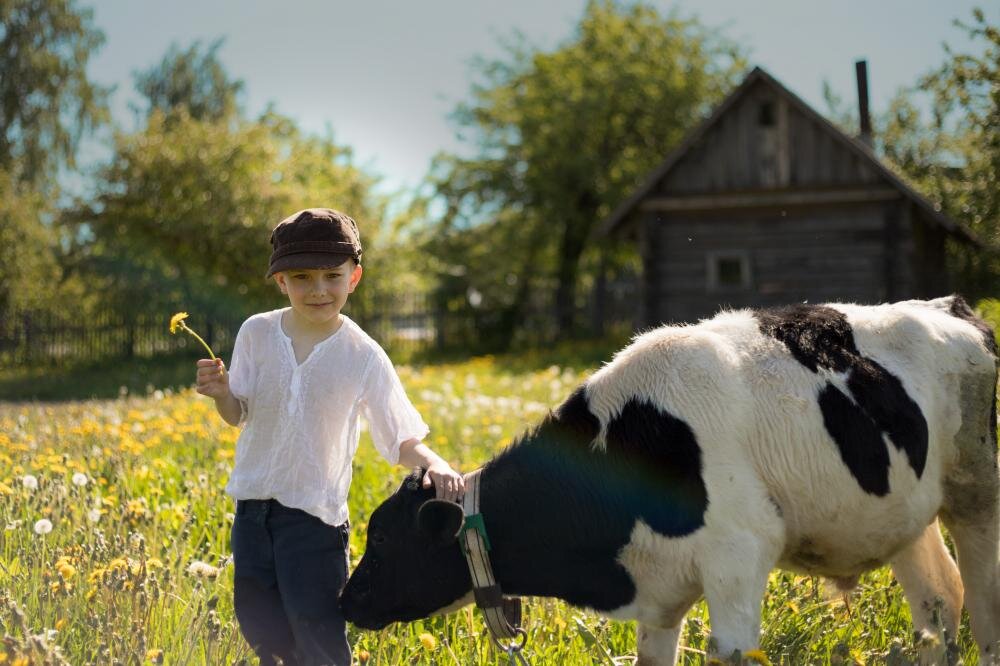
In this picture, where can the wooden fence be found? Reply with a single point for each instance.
(402, 323)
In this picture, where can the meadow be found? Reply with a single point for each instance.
(115, 550)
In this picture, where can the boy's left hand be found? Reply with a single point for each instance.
(448, 484)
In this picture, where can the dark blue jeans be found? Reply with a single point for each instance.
(289, 568)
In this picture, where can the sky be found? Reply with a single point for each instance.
(385, 75)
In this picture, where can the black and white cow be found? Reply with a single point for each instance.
(824, 439)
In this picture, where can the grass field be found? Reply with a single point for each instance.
(135, 569)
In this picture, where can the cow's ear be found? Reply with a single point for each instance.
(440, 520)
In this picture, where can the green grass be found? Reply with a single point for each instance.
(120, 589)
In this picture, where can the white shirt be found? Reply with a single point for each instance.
(301, 425)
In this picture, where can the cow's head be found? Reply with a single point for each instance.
(413, 565)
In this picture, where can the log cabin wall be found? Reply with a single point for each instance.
(767, 203)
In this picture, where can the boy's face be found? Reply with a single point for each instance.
(318, 294)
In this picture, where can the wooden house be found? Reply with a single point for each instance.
(768, 203)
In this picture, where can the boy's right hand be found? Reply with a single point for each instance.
(213, 380)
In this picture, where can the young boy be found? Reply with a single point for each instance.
(300, 378)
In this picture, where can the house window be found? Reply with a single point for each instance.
(765, 116)
(728, 271)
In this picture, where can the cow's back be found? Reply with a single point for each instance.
(840, 419)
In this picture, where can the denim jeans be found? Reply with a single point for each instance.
(289, 569)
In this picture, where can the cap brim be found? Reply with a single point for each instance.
(307, 260)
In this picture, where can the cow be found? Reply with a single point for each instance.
(824, 439)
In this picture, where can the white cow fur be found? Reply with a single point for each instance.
(753, 409)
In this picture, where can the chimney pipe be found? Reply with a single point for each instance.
(861, 71)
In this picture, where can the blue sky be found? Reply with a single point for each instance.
(384, 75)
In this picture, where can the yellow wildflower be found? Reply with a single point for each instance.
(428, 641)
(65, 569)
(757, 657)
(60, 623)
(177, 323)
(155, 656)
(176, 320)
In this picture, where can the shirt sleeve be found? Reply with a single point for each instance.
(242, 369)
(391, 417)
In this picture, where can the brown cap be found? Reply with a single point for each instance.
(314, 238)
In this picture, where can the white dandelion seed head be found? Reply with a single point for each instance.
(43, 526)
(94, 515)
(79, 479)
(30, 482)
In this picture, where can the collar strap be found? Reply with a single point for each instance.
(502, 614)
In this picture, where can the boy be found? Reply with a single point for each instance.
(300, 378)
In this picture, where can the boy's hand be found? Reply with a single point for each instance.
(213, 380)
(448, 484)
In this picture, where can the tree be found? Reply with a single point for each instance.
(563, 137)
(188, 204)
(28, 268)
(192, 79)
(46, 100)
(954, 157)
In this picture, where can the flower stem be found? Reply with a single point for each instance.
(198, 338)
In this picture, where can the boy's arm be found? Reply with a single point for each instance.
(229, 409)
(448, 484)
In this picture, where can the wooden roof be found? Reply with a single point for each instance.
(861, 150)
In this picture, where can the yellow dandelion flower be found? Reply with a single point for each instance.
(155, 656)
(177, 323)
(21, 661)
(428, 641)
(177, 320)
(757, 657)
(66, 570)
(60, 623)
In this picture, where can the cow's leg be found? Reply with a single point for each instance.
(735, 578)
(658, 647)
(971, 512)
(658, 641)
(931, 581)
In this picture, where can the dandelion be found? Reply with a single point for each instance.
(757, 657)
(203, 569)
(177, 323)
(428, 641)
(79, 479)
(94, 515)
(29, 482)
(43, 526)
(155, 656)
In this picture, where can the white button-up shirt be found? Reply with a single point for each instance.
(301, 426)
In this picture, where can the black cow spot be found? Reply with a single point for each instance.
(817, 336)
(961, 310)
(821, 337)
(858, 439)
(575, 420)
(657, 459)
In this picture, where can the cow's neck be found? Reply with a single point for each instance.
(554, 527)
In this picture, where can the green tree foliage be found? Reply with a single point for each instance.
(194, 79)
(954, 156)
(185, 207)
(562, 138)
(28, 269)
(46, 100)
